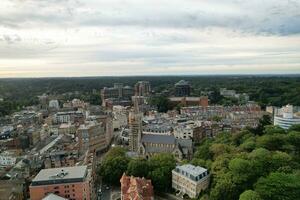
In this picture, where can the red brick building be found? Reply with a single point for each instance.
(73, 183)
(135, 188)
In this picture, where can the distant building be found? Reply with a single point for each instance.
(69, 182)
(135, 124)
(227, 93)
(68, 117)
(135, 188)
(182, 89)
(190, 101)
(53, 104)
(116, 92)
(286, 118)
(189, 179)
(142, 88)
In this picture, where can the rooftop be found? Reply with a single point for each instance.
(158, 139)
(60, 175)
(191, 169)
(53, 197)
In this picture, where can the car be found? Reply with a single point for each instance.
(100, 191)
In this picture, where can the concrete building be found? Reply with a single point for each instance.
(142, 88)
(189, 179)
(135, 188)
(286, 118)
(116, 92)
(73, 183)
(182, 89)
(92, 137)
(68, 117)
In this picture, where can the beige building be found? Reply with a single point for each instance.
(92, 137)
(190, 180)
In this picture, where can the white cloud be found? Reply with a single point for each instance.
(128, 37)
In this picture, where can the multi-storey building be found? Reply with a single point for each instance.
(142, 88)
(189, 179)
(116, 92)
(73, 183)
(92, 137)
(69, 116)
(182, 89)
(286, 118)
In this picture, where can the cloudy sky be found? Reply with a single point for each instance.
(148, 37)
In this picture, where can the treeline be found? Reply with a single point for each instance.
(266, 90)
(158, 168)
(253, 166)
(249, 165)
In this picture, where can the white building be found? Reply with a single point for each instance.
(54, 104)
(286, 118)
(184, 131)
(189, 179)
(7, 160)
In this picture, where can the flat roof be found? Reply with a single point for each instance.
(60, 175)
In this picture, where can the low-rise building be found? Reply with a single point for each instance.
(189, 179)
(135, 188)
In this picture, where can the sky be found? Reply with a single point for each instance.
(55, 38)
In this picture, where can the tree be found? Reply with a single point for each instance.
(161, 166)
(114, 165)
(203, 151)
(249, 195)
(279, 186)
(295, 127)
(224, 189)
(162, 103)
(259, 130)
(272, 142)
(270, 130)
(138, 167)
(112, 169)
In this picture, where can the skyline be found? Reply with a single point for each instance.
(138, 38)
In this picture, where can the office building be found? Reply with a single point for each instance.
(142, 88)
